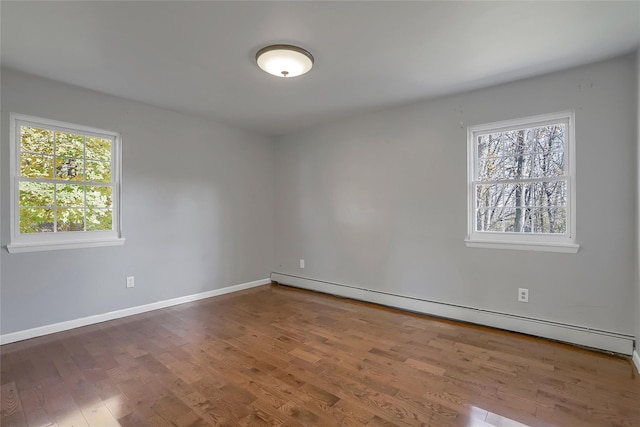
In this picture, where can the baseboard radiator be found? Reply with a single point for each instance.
(574, 334)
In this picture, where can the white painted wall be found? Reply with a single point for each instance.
(197, 210)
(379, 201)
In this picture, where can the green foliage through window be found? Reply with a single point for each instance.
(65, 181)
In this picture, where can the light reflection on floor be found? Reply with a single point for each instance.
(479, 417)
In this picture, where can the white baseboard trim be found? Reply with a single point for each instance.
(604, 340)
(636, 359)
(90, 320)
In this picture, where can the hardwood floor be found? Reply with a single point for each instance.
(275, 355)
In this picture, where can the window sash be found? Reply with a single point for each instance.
(533, 238)
(59, 238)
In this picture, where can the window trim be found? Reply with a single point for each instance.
(524, 241)
(65, 240)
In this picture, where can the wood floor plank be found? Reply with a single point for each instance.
(9, 400)
(279, 356)
(33, 402)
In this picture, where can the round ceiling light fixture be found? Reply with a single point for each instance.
(284, 60)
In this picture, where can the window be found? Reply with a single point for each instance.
(65, 185)
(521, 189)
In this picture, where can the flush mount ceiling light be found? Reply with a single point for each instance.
(284, 60)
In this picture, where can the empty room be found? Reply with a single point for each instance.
(319, 213)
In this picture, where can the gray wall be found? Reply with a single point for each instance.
(637, 346)
(379, 201)
(197, 210)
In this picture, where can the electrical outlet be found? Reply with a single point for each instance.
(130, 282)
(301, 263)
(523, 295)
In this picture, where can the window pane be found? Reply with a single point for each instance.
(546, 138)
(498, 219)
(69, 219)
(36, 165)
(491, 169)
(485, 220)
(542, 139)
(99, 219)
(536, 194)
(484, 148)
(98, 148)
(512, 195)
(69, 195)
(36, 220)
(508, 219)
(69, 169)
(552, 193)
(523, 153)
(36, 194)
(489, 195)
(528, 194)
(36, 140)
(541, 165)
(522, 220)
(501, 219)
(99, 196)
(69, 145)
(549, 220)
(98, 171)
(511, 168)
(494, 145)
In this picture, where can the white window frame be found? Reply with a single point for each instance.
(23, 242)
(523, 241)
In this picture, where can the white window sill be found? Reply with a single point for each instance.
(15, 248)
(571, 248)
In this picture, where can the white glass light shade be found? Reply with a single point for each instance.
(284, 60)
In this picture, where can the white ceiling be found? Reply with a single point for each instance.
(198, 57)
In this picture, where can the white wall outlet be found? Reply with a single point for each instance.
(301, 263)
(130, 282)
(523, 295)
